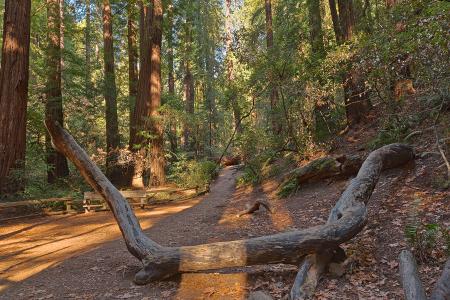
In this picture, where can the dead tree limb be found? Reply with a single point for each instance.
(441, 151)
(346, 220)
(256, 207)
(409, 277)
(356, 195)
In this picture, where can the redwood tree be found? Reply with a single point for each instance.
(276, 125)
(188, 86)
(157, 160)
(14, 91)
(110, 93)
(87, 35)
(56, 162)
(315, 22)
(132, 58)
(230, 68)
(173, 139)
(357, 103)
(142, 105)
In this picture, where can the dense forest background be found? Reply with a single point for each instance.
(159, 92)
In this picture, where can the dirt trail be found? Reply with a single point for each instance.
(82, 257)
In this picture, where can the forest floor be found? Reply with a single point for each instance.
(84, 257)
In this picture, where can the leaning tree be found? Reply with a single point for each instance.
(314, 248)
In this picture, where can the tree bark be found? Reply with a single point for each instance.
(442, 289)
(346, 18)
(110, 92)
(132, 60)
(347, 218)
(357, 103)
(274, 97)
(336, 21)
(410, 278)
(357, 193)
(57, 166)
(230, 68)
(14, 92)
(316, 33)
(88, 83)
(142, 106)
(173, 136)
(157, 160)
(188, 86)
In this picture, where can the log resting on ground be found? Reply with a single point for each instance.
(412, 286)
(347, 219)
(356, 195)
(410, 278)
(322, 168)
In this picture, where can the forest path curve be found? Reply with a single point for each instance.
(30, 246)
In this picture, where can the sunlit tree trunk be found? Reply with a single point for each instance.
(132, 60)
(157, 160)
(139, 130)
(14, 91)
(315, 22)
(230, 67)
(173, 139)
(87, 36)
(110, 94)
(57, 166)
(276, 124)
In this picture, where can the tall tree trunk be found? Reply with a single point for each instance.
(14, 91)
(87, 35)
(316, 33)
(188, 87)
(173, 139)
(110, 94)
(357, 103)
(157, 160)
(189, 100)
(230, 68)
(57, 166)
(142, 105)
(276, 125)
(132, 60)
(346, 18)
(336, 21)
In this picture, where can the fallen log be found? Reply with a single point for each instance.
(410, 278)
(322, 168)
(442, 289)
(356, 195)
(412, 286)
(347, 219)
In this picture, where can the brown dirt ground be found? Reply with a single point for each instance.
(83, 256)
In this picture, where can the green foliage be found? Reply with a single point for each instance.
(288, 188)
(426, 239)
(193, 173)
